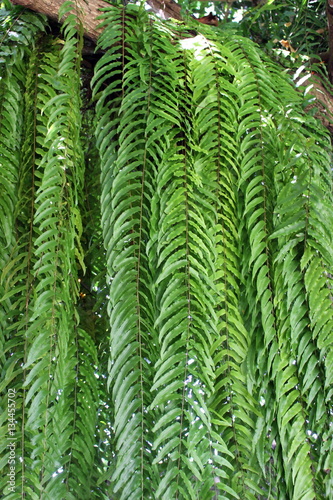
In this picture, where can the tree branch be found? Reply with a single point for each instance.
(166, 8)
(89, 11)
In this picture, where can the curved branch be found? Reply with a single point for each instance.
(89, 11)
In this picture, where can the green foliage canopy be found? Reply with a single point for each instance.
(166, 264)
(303, 23)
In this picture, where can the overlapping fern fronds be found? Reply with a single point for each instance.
(57, 396)
(210, 253)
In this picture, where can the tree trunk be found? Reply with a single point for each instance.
(89, 11)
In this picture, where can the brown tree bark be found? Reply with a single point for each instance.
(165, 8)
(89, 11)
(329, 12)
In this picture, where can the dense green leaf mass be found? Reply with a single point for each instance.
(166, 267)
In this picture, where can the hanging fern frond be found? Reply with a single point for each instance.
(300, 233)
(230, 345)
(126, 187)
(18, 38)
(185, 302)
(51, 362)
